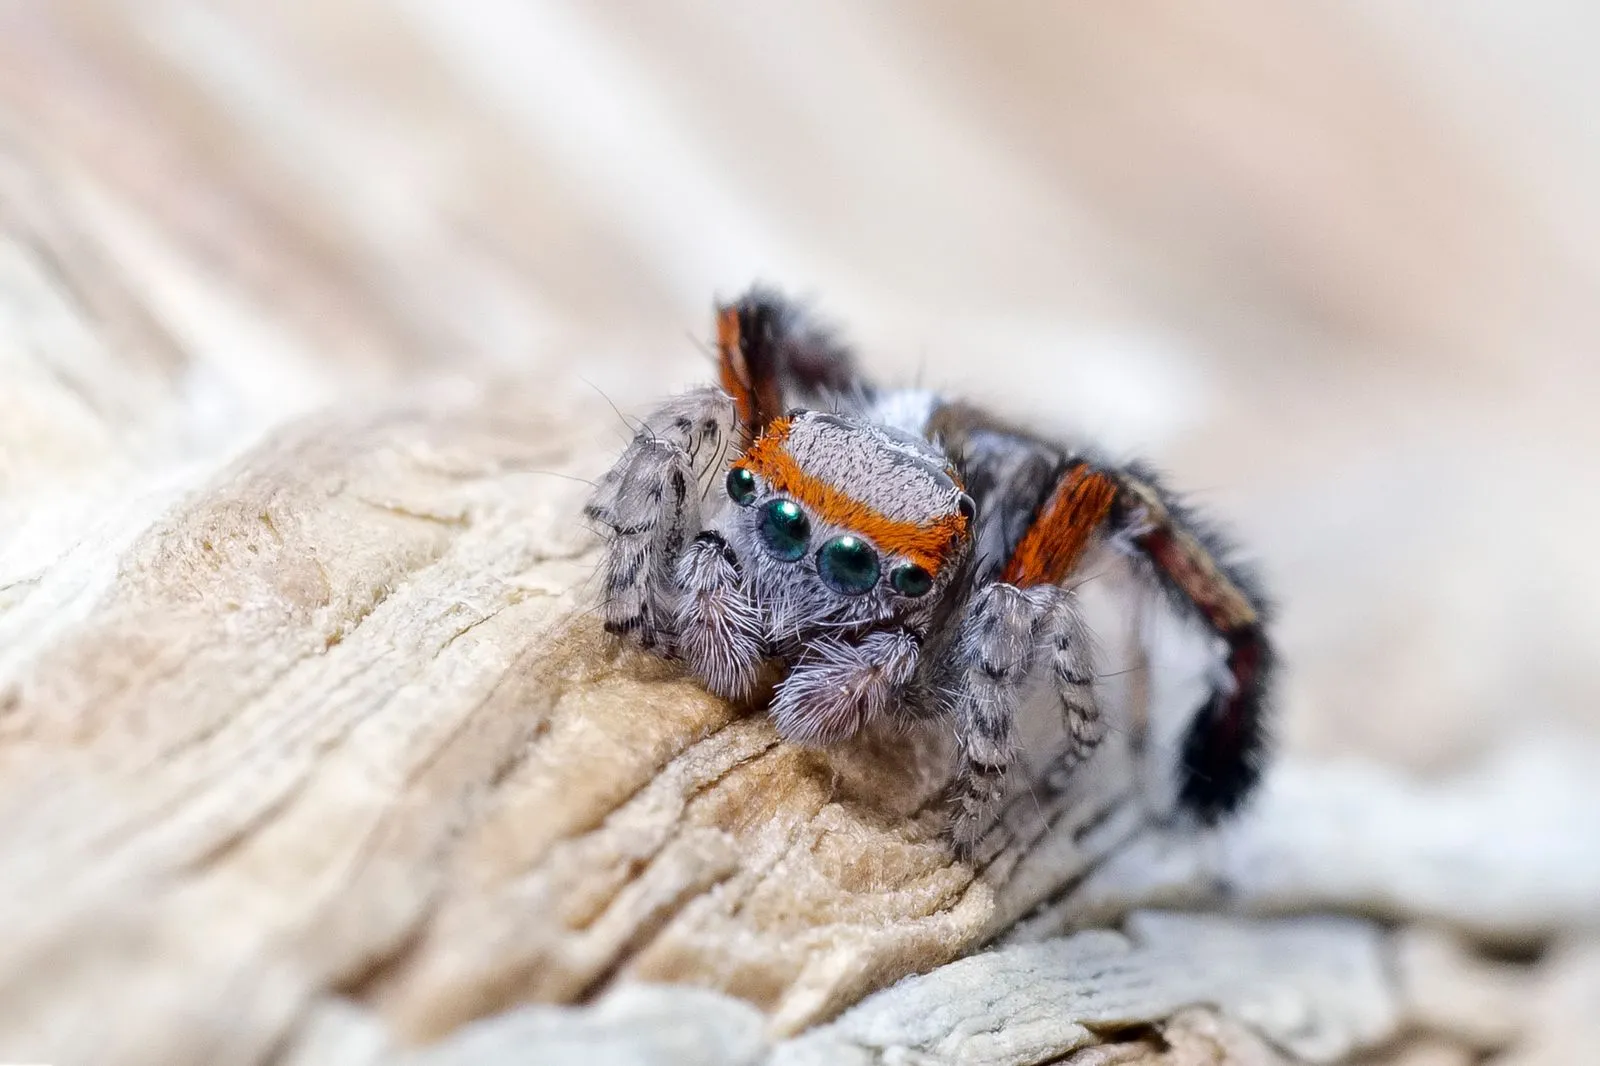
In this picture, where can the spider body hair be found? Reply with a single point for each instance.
(906, 557)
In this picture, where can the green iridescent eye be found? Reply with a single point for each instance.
(785, 528)
(741, 486)
(911, 580)
(848, 564)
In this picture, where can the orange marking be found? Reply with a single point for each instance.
(731, 366)
(926, 545)
(1055, 542)
(755, 394)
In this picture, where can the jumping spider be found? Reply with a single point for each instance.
(904, 556)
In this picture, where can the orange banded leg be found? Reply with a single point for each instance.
(1062, 531)
(1049, 551)
(1225, 744)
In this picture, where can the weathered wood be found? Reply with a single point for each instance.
(341, 730)
(335, 712)
(309, 751)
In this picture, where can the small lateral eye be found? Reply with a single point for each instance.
(911, 580)
(848, 564)
(785, 529)
(968, 507)
(741, 486)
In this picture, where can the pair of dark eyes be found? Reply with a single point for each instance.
(847, 563)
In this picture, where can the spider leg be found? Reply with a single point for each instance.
(1224, 748)
(841, 684)
(772, 356)
(993, 658)
(1066, 640)
(648, 506)
(719, 628)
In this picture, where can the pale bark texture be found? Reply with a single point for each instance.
(318, 320)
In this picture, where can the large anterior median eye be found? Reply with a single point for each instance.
(741, 486)
(911, 580)
(785, 528)
(848, 564)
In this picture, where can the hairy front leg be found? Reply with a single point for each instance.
(838, 686)
(648, 507)
(719, 628)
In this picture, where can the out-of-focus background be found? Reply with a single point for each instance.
(1334, 265)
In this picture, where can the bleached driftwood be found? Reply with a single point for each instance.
(334, 752)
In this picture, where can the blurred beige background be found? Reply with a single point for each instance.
(1332, 264)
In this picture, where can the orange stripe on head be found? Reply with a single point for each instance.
(1058, 537)
(927, 545)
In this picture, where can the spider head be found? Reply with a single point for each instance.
(840, 522)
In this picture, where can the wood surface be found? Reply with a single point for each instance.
(317, 319)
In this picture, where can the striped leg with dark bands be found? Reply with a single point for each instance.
(995, 649)
(1001, 641)
(648, 508)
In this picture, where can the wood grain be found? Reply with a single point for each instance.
(314, 319)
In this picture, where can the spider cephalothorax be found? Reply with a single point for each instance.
(903, 556)
(840, 546)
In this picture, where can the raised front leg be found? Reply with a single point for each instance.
(649, 507)
(772, 356)
(840, 685)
